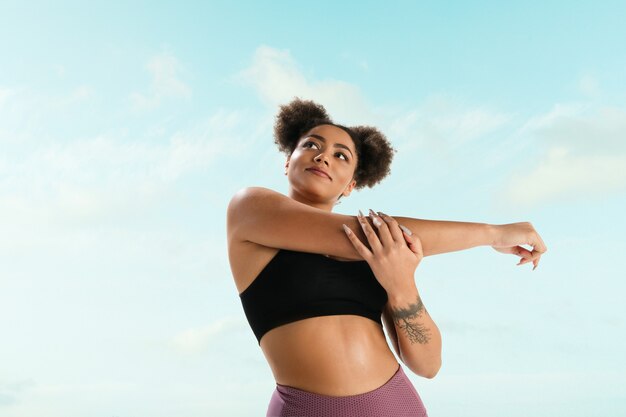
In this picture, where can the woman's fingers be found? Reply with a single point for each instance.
(370, 234)
(400, 233)
(393, 227)
(524, 253)
(539, 248)
(534, 261)
(414, 243)
(528, 256)
(383, 229)
(360, 247)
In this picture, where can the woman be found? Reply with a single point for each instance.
(314, 284)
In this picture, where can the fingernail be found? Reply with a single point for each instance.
(346, 229)
(407, 231)
(360, 214)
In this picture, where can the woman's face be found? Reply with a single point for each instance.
(329, 149)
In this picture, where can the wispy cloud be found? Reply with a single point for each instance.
(109, 174)
(278, 79)
(5, 93)
(580, 146)
(443, 123)
(10, 391)
(582, 154)
(356, 61)
(589, 86)
(31, 117)
(439, 122)
(164, 69)
(196, 340)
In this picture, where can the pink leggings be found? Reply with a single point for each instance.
(396, 398)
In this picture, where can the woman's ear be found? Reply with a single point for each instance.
(287, 164)
(349, 188)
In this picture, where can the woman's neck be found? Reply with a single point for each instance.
(322, 205)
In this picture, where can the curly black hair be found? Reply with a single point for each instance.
(374, 152)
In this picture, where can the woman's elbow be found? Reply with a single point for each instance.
(432, 374)
(432, 371)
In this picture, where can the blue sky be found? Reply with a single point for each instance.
(125, 130)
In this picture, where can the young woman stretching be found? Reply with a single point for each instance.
(315, 284)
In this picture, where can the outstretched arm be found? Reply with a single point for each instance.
(271, 219)
(441, 236)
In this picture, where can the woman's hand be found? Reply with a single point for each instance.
(508, 237)
(392, 261)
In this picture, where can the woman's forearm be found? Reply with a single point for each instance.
(441, 236)
(418, 336)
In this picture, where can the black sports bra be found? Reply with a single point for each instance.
(298, 285)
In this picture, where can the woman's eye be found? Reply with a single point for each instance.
(309, 143)
(344, 156)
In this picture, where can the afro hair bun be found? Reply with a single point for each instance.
(295, 119)
(374, 152)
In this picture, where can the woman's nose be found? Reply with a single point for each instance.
(322, 156)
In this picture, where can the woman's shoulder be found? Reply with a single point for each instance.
(254, 190)
(247, 193)
(243, 202)
(274, 220)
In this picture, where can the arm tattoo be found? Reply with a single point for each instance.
(416, 332)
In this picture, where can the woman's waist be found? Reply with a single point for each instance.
(331, 356)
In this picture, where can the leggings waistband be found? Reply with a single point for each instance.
(396, 398)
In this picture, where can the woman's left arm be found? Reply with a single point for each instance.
(441, 236)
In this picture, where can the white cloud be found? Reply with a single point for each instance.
(32, 116)
(439, 123)
(10, 391)
(5, 93)
(165, 83)
(278, 79)
(582, 145)
(589, 86)
(108, 174)
(442, 124)
(197, 340)
(562, 176)
(582, 155)
(356, 61)
(59, 70)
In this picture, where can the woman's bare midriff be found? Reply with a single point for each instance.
(330, 355)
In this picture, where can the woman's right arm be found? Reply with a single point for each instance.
(269, 218)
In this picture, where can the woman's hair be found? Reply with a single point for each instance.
(374, 152)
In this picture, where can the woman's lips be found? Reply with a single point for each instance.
(316, 172)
